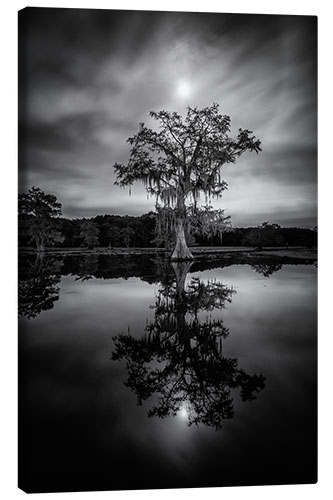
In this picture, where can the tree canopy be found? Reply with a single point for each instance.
(89, 232)
(39, 204)
(38, 210)
(183, 160)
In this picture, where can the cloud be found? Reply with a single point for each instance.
(72, 132)
(89, 77)
(289, 165)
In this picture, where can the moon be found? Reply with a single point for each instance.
(183, 413)
(184, 89)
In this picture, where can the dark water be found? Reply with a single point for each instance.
(135, 374)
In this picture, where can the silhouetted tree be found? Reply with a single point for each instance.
(113, 235)
(183, 160)
(126, 234)
(264, 235)
(37, 211)
(180, 358)
(89, 232)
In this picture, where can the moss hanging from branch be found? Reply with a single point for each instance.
(183, 159)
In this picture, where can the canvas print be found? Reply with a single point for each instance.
(167, 234)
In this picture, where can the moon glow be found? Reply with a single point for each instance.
(184, 89)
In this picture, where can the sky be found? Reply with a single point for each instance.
(87, 78)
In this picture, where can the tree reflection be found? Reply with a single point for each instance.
(180, 359)
(37, 286)
(266, 269)
(87, 268)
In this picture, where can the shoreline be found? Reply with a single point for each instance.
(300, 253)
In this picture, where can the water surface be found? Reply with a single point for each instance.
(135, 374)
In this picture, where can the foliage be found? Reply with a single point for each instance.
(265, 235)
(112, 233)
(38, 204)
(89, 232)
(37, 211)
(208, 222)
(200, 221)
(164, 228)
(185, 155)
(148, 231)
(40, 225)
(183, 160)
(126, 235)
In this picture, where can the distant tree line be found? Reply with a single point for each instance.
(117, 231)
(41, 226)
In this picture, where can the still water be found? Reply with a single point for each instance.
(136, 374)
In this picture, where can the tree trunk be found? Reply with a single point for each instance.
(40, 244)
(39, 262)
(181, 251)
(181, 269)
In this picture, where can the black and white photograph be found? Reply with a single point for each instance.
(167, 249)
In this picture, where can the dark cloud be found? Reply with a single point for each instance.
(289, 165)
(67, 133)
(88, 77)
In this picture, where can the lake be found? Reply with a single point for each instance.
(138, 374)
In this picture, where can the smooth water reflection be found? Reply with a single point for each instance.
(180, 357)
(198, 345)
